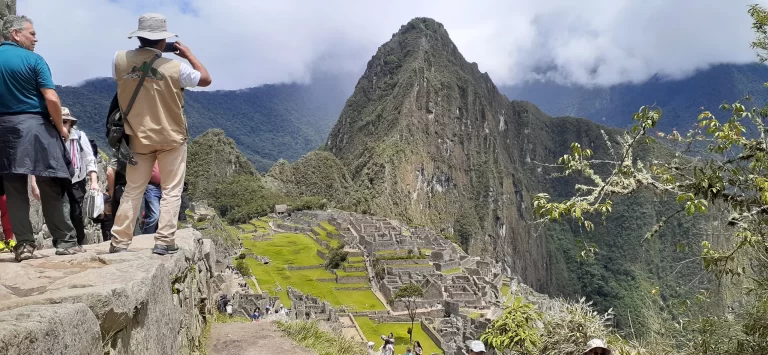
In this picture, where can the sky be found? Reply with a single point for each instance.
(247, 43)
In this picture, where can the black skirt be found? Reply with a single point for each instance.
(31, 145)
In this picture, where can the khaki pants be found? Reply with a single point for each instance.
(172, 162)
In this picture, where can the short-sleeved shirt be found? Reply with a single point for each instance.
(188, 76)
(22, 74)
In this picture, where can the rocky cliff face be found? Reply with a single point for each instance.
(431, 141)
(99, 303)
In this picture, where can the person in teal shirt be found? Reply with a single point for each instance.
(31, 132)
(22, 74)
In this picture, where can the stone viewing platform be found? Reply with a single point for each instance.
(100, 303)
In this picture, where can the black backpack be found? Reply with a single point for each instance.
(94, 147)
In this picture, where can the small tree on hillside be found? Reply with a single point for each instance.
(336, 257)
(409, 294)
(242, 267)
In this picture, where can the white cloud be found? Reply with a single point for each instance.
(248, 43)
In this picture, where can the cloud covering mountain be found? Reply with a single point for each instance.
(249, 43)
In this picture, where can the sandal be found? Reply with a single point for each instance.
(70, 251)
(24, 251)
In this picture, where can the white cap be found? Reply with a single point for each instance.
(476, 346)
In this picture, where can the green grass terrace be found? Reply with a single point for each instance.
(373, 332)
(324, 236)
(300, 250)
(452, 271)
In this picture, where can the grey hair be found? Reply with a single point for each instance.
(14, 23)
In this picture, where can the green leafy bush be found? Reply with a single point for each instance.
(517, 329)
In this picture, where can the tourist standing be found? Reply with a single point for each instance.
(155, 126)
(229, 309)
(417, 349)
(84, 163)
(31, 132)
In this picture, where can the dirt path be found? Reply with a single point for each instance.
(251, 339)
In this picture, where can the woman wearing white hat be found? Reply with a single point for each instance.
(597, 347)
(84, 164)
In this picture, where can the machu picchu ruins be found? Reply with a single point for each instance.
(462, 293)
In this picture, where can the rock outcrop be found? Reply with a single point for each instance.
(101, 303)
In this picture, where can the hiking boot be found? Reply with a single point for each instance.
(164, 249)
(24, 251)
(113, 249)
(70, 251)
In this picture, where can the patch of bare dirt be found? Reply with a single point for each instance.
(251, 338)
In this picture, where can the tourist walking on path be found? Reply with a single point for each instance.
(8, 242)
(84, 164)
(156, 127)
(417, 349)
(31, 132)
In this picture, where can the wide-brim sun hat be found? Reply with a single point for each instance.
(476, 346)
(66, 115)
(153, 27)
(596, 344)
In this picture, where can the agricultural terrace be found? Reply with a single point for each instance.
(373, 332)
(284, 249)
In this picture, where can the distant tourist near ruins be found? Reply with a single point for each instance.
(499, 177)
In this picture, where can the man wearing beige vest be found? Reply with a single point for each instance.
(156, 127)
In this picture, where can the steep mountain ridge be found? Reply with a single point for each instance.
(432, 141)
(436, 143)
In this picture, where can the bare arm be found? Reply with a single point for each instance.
(53, 103)
(94, 180)
(111, 182)
(35, 190)
(186, 53)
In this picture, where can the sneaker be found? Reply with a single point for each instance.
(24, 251)
(113, 249)
(70, 251)
(11, 244)
(164, 249)
(4, 247)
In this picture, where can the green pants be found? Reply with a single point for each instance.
(55, 205)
